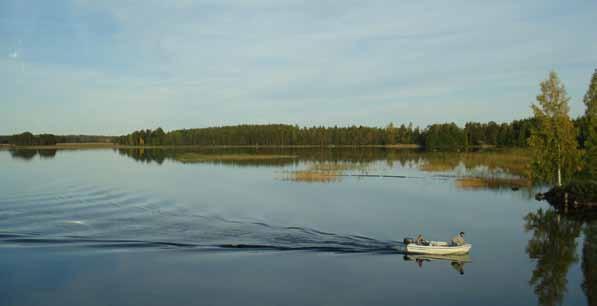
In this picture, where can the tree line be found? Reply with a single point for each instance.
(29, 139)
(445, 136)
(274, 135)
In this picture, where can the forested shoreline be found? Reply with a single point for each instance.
(29, 139)
(444, 136)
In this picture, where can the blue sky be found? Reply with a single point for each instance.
(109, 67)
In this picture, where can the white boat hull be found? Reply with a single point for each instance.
(438, 248)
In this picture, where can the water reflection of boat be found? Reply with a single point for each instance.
(465, 258)
(436, 248)
(456, 261)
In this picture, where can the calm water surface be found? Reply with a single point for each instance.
(298, 227)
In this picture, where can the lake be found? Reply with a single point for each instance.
(282, 227)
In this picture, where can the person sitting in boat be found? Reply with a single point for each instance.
(420, 240)
(458, 240)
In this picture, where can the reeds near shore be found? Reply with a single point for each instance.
(428, 166)
(325, 172)
(492, 183)
(515, 162)
(472, 170)
(308, 176)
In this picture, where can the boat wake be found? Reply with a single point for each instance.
(107, 218)
(338, 244)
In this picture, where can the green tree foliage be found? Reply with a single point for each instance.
(590, 124)
(84, 139)
(274, 135)
(554, 145)
(580, 124)
(447, 136)
(391, 134)
(435, 137)
(28, 139)
(514, 134)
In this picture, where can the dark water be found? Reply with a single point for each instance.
(142, 227)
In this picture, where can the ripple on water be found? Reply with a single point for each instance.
(112, 218)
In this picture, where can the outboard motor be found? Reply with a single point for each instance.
(408, 240)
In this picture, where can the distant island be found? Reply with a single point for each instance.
(28, 139)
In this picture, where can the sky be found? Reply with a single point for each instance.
(112, 66)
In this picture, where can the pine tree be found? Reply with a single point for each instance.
(553, 143)
(590, 101)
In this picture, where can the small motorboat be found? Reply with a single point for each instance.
(435, 248)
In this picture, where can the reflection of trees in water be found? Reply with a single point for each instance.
(23, 154)
(145, 155)
(589, 262)
(500, 171)
(49, 153)
(27, 154)
(553, 246)
(303, 154)
(491, 162)
(180, 155)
